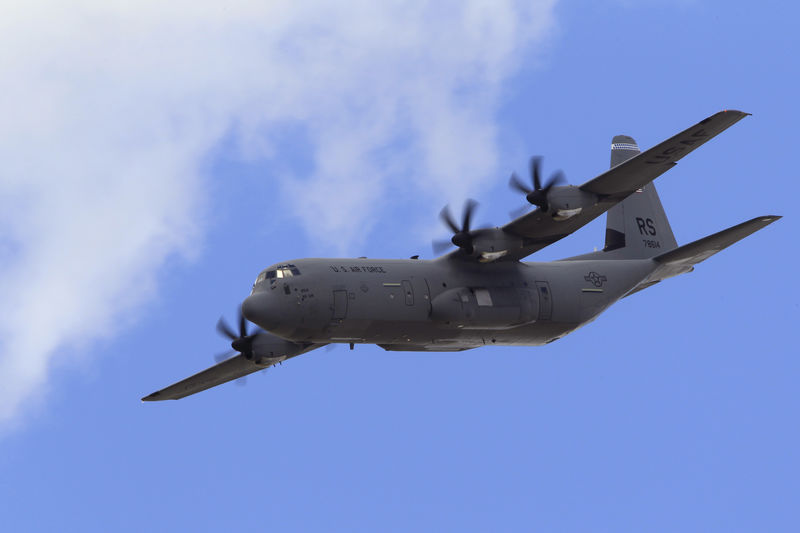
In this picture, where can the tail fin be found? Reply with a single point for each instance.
(637, 227)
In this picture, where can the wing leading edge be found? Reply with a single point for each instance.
(228, 370)
(538, 229)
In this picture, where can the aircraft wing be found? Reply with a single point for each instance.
(538, 229)
(638, 171)
(228, 370)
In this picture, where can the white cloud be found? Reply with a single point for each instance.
(109, 108)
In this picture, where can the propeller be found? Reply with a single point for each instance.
(242, 343)
(538, 194)
(462, 237)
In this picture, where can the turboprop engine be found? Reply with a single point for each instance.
(567, 201)
(487, 244)
(562, 202)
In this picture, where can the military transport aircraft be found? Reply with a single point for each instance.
(481, 293)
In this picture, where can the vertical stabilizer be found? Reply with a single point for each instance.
(637, 226)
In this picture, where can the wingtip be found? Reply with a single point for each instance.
(764, 220)
(736, 111)
(152, 397)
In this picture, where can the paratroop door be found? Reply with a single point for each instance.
(545, 300)
(339, 305)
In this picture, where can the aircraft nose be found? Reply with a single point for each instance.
(261, 309)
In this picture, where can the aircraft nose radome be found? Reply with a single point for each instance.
(258, 309)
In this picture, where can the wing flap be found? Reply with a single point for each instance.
(642, 169)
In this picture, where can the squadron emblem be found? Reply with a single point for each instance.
(595, 279)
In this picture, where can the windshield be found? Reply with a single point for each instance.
(283, 271)
(275, 273)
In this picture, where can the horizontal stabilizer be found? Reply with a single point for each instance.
(702, 249)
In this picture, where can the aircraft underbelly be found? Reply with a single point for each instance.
(429, 335)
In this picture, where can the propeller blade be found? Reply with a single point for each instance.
(555, 178)
(515, 183)
(441, 246)
(536, 162)
(469, 209)
(225, 330)
(448, 219)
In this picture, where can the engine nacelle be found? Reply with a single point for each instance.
(485, 308)
(491, 244)
(567, 201)
(272, 349)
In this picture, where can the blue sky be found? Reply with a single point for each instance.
(157, 161)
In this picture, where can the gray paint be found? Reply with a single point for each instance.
(462, 301)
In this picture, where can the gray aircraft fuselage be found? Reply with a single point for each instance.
(481, 293)
(439, 304)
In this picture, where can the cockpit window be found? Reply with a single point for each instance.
(279, 272)
(284, 271)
